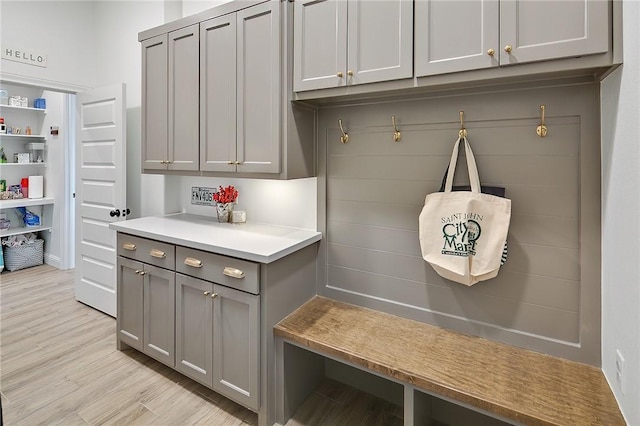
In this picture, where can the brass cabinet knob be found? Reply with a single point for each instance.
(142, 272)
(214, 295)
(237, 163)
(339, 74)
(350, 73)
(491, 52)
(231, 163)
(508, 48)
(206, 293)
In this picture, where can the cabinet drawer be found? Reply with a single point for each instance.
(148, 251)
(228, 271)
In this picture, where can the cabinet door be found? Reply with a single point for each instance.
(154, 103)
(236, 345)
(319, 47)
(541, 30)
(455, 36)
(218, 94)
(194, 328)
(184, 90)
(159, 318)
(380, 35)
(259, 89)
(130, 304)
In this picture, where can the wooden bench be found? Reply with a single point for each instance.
(507, 382)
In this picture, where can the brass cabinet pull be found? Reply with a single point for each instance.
(339, 74)
(157, 253)
(214, 295)
(231, 162)
(138, 271)
(206, 293)
(508, 48)
(195, 263)
(350, 73)
(129, 246)
(233, 272)
(491, 52)
(142, 272)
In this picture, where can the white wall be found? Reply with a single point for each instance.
(285, 203)
(620, 225)
(63, 30)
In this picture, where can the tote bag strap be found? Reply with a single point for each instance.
(474, 179)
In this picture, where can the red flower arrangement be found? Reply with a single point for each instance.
(225, 195)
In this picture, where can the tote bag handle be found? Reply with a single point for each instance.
(474, 179)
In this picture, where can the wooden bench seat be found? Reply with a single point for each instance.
(512, 383)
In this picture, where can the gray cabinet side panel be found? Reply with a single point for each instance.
(218, 94)
(184, 89)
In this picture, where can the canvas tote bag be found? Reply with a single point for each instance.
(463, 233)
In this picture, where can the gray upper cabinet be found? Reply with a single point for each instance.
(240, 90)
(236, 345)
(184, 91)
(170, 101)
(218, 94)
(453, 36)
(155, 53)
(343, 43)
(541, 30)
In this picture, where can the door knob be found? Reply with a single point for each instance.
(115, 212)
(491, 52)
(508, 48)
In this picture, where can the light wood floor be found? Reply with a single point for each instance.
(59, 366)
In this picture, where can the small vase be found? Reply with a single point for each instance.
(224, 211)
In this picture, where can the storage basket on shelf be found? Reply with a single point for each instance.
(24, 256)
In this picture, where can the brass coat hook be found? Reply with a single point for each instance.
(396, 133)
(463, 132)
(345, 136)
(541, 130)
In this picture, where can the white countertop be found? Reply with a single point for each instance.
(257, 242)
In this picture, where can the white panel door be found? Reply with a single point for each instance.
(100, 193)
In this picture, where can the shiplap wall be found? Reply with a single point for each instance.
(371, 191)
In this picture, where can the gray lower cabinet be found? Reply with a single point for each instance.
(194, 328)
(236, 345)
(453, 36)
(145, 309)
(130, 302)
(217, 339)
